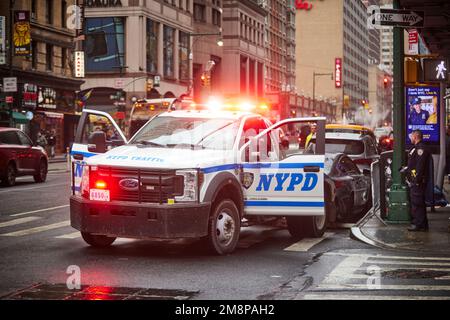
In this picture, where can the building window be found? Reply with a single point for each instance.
(48, 57)
(63, 60)
(152, 46)
(49, 11)
(104, 46)
(199, 12)
(168, 51)
(216, 17)
(34, 52)
(34, 9)
(184, 56)
(63, 14)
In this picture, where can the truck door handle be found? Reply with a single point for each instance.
(78, 156)
(311, 169)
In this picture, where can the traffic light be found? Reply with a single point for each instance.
(346, 101)
(205, 79)
(385, 82)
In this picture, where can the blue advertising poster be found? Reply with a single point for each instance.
(422, 112)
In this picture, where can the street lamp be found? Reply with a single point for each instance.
(314, 85)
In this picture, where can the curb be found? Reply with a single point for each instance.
(357, 234)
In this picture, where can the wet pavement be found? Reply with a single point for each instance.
(396, 236)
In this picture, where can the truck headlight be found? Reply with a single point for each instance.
(191, 180)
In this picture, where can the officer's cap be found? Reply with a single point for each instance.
(416, 101)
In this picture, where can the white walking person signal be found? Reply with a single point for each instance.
(440, 69)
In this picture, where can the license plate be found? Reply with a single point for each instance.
(99, 195)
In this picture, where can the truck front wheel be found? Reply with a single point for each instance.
(224, 227)
(97, 241)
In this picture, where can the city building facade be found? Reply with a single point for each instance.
(332, 39)
(136, 49)
(46, 87)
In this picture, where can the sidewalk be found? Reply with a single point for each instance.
(396, 236)
(58, 166)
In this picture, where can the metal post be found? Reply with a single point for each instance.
(11, 54)
(398, 195)
(314, 92)
(442, 154)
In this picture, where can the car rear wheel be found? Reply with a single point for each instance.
(41, 175)
(10, 177)
(98, 241)
(224, 227)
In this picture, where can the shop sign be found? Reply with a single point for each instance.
(22, 33)
(303, 5)
(79, 64)
(29, 96)
(10, 84)
(102, 3)
(47, 98)
(338, 73)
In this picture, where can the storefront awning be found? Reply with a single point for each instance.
(19, 117)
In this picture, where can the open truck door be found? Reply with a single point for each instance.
(97, 132)
(282, 178)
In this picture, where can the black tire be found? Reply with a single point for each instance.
(97, 241)
(224, 227)
(296, 227)
(307, 227)
(9, 179)
(41, 174)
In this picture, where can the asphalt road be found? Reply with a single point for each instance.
(38, 245)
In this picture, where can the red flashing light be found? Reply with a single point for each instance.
(100, 184)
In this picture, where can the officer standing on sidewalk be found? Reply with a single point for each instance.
(418, 161)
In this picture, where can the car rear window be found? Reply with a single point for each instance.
(351, 147)
(9, 137)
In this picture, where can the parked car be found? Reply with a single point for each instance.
(361, 148)
(18, 157)
(350, 190)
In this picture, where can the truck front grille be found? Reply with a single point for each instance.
(154, 186)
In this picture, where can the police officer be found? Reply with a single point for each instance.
(418, 159)
(417, 116)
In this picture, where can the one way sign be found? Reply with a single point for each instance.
(396, 18)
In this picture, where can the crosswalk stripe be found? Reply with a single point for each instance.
(407, 263)
(72, 235)
(18, 221)
(305, 244)
(412, 287)
(37, 229)
(385, 256)
(369, 297)
(40, 210)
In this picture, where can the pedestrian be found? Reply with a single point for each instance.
(52, 143)
(41, 140)
(418, 161)
(310, 135)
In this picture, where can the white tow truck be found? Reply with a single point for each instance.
(195, 174)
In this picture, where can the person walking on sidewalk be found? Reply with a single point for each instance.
(52, 143)
(418, 161)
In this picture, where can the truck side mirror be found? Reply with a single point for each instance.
(97, 142)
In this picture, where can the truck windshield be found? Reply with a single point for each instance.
(176, 132)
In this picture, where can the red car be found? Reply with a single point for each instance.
(18, 157)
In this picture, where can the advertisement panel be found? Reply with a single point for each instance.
(22, 33)
(422, 112)
(2, 40)
(338, 72)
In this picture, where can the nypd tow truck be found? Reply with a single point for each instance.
(195, 174)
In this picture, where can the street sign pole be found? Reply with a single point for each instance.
(398, 195)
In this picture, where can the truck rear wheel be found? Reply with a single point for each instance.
(98, 241)
(224, 227)
(307, 227)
